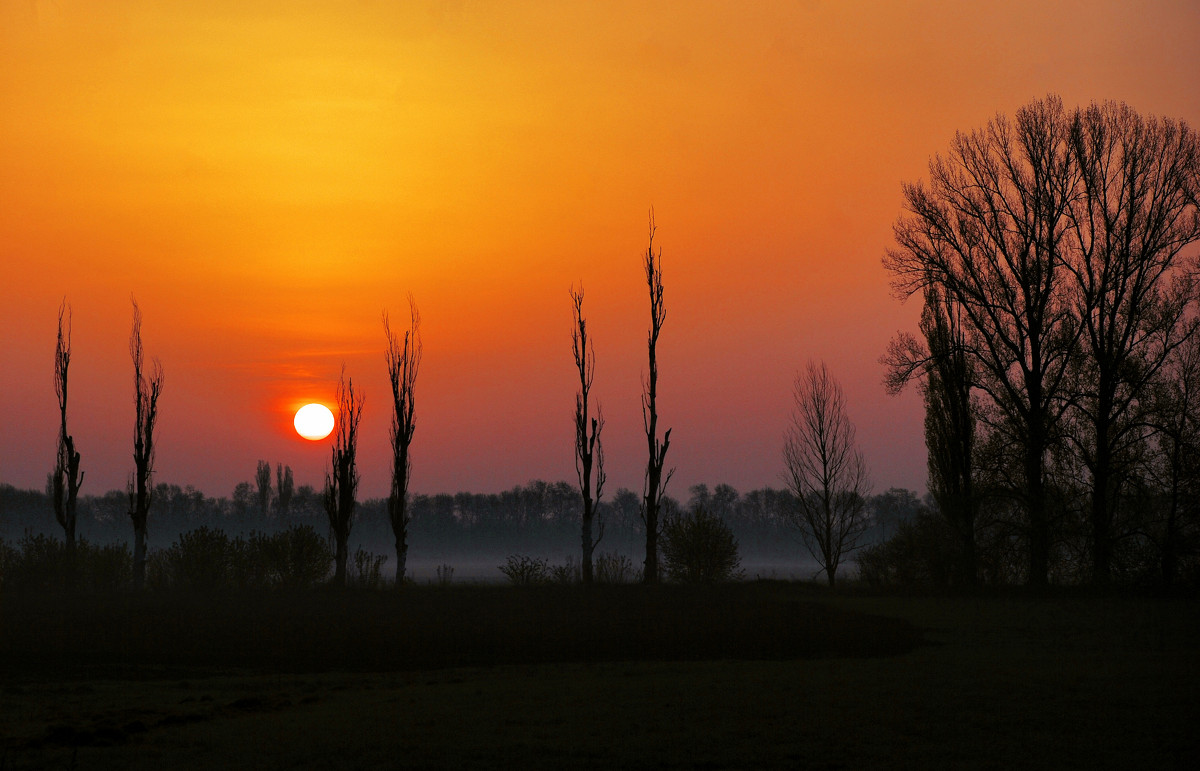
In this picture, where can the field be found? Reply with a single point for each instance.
(764, 674)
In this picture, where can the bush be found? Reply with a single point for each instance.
(105, 568)
(699, 548)
(301, 557)
(613, 568)
(366, 571)
(570, 572)
(923, 552)
(525, 571)
(201, 560)
(40, 562)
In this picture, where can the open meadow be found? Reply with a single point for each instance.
(763, 674)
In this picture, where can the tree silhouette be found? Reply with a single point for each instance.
(1176, 416)
(950, 415)
(285, 488)
(403, 360)
(341, 481)
(989, 231)
(825, 471)
(147, 388)
(66, 478)
(1129, 223)
(655, 486)
(588, 449)
(262, 484)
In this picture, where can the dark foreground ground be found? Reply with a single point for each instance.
(745, 676)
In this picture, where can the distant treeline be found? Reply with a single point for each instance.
(536, 517)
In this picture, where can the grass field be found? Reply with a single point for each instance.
(744, 676)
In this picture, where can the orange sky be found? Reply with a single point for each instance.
(268, 177)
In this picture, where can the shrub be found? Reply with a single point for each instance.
(570, 572)
(301, 557)
(613, 568)
(201, 560)
(699, 548)
(445, 575)
(366, 570)
(253, 563)
(525, 571)
(923, 552)
(105, 568)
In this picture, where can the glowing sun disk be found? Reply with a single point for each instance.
(314, 421)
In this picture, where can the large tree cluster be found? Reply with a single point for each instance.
(1053, 254)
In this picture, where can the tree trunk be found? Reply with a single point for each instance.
(585, 570)
(1035, 482)
(1101, 534)
(340, 556)
(139, 558)
(650, 567)
(401, 560)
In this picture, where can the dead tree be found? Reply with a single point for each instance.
(825, 471)
(262, 483)
(147, 388)
(655, 486)
(403, 360)
(67, 478)
(341, 481)
(1130, 225)
(589, 452)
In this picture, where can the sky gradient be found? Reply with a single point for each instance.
(267, 178)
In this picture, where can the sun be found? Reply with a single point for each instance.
(314, 421)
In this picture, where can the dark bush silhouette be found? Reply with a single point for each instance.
(201, 560)
(613, 568)
(924, 552)
(40, 562)
(525, 571)
(366, 572)
(699, 548)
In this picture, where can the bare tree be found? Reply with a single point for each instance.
(825, 470)
(946, 369)
(147, 388)
(655, 486)
(341, 481)
(67, 478)
(989, 230)
(1134, 216)
(285, 487)
(403, 359)
(588, 450)
(1177, 420)
(262, 484)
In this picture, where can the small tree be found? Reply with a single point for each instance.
(67, 478)
(341, 481)
(588, 450)
(825, 470)
(403, 359)
(699, 548)
(655, 486)
(146, 389)
(262, 482)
